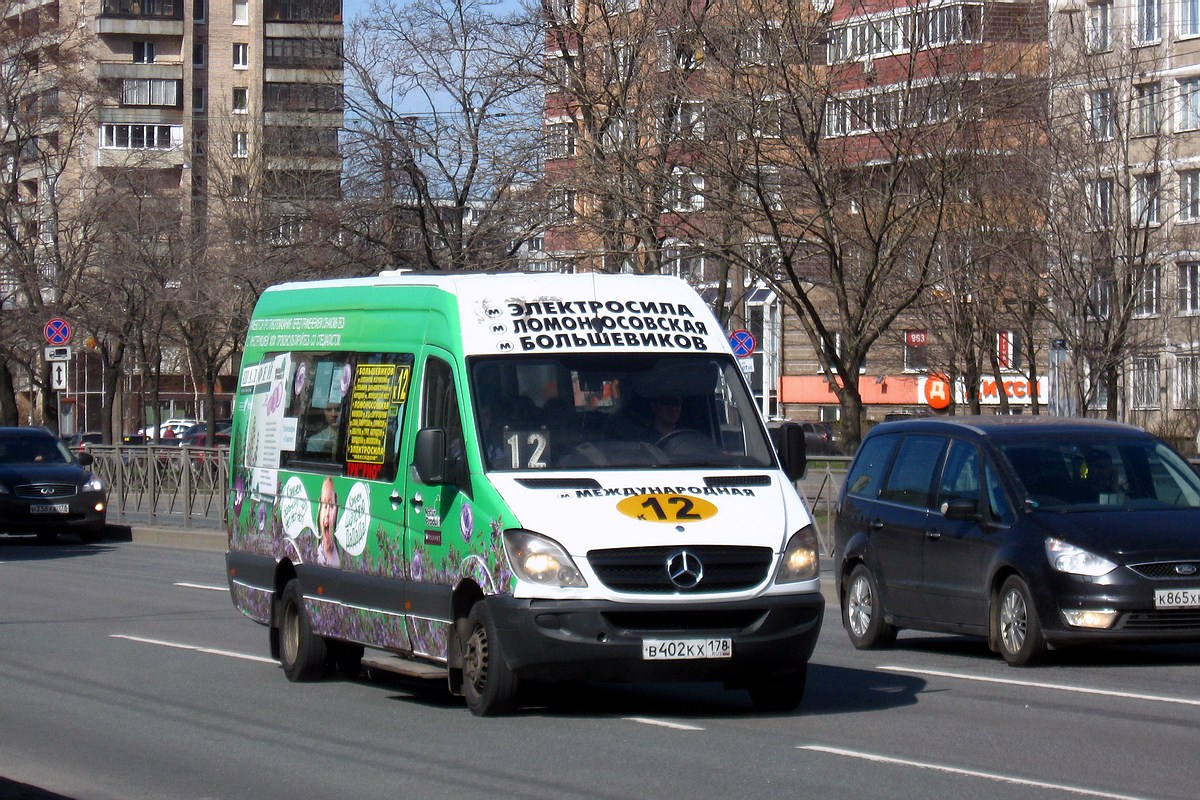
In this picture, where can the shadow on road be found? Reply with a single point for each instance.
(830, 690)
(11, 790)
(1111, 655)
(16, 547)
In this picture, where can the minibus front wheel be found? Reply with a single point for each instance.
(489, 685)
(302, 653)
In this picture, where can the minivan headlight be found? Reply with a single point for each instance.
(1068, 558)
(541, 560)
(801, 560)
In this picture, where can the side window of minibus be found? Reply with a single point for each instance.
(439, 405)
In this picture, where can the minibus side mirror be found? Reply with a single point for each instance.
(788, 439)
(429, 460)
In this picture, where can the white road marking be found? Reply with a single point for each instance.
(662, 723)
(203, 586)
(1183, 701)
(970, 773)
(181, 646)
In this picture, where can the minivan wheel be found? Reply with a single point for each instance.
(302, 653)
(862, 612)
(488, 684)
(1017, 628)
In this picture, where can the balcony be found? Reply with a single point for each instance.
(123, 69)
(141, 17)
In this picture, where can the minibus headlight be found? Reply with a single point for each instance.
(801, 560)
(540, 560)
(1068, 558)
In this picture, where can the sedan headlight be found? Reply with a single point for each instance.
(4, 489)
(541, 560)
(1068, 558)
(801, 559)
(94, 484)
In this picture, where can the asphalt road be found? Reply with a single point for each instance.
(126, 673)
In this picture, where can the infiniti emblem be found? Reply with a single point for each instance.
(46, 490)
(1185, 569)
(684, 569)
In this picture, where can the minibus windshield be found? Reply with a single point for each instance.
(595, 411)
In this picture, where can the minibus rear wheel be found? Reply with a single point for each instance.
(489, 685)
(301, 652)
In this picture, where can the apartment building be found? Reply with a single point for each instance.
(178, 114)
(1134, 99)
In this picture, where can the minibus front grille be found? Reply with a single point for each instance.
(722, 568)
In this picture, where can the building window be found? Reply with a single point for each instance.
(683, 119)
(1189, 195)
(1189, 105)
(138, 137)
(759, 46)
(1189, 17)
(1145, 304)
(241, 144)
(562, 203)
(197, 99)
(1101, 114)
(1146, 200)
(916, 351)
(1149, 21)
(683, 49)
(1100, 299)
(239, 187)
(618, 61)
(200, 11)
(143, 52)
(241, 12)
(1145, 382)
(560, 140)
(1099, 30)
(561, 11)
(1100, 197)
(1147, 109)
(1189, 288)
(1187, 381)
(686, 191)
(199, 55)
(685, 262)
(241, 55)
(150, 92)
(241, 101)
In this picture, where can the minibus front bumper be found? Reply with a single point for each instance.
(603, 640)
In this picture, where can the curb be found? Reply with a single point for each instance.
(210, 540)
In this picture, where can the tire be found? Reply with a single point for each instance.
(488, 684)
(1018, 631)
(779, 694)
(302, 654)
(862, 612)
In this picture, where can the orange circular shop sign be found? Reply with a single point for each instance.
(937, 392)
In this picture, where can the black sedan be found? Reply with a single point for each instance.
(45, 490)
(1030, 531)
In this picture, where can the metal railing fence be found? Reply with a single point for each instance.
(163, 484)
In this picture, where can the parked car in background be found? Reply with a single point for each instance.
(819, 439)
(193, 436)
(78, 442)
(1030, 531)
(170, 429)
(45, 489)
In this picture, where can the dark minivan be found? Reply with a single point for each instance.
(1031, 531)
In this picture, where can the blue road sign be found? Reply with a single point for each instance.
(58, 331)
(742, 342)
